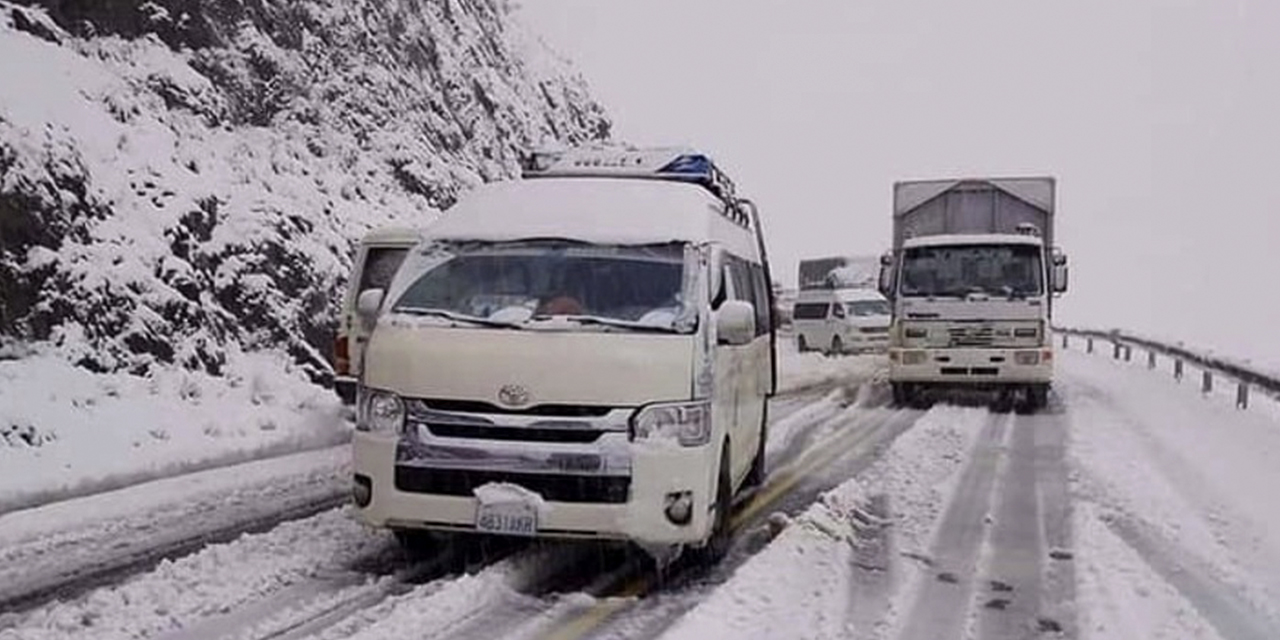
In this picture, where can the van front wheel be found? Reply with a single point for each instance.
(801, 344)
(756, 476)
(837, 346)
(717, 545)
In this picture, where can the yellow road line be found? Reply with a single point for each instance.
(817, 456)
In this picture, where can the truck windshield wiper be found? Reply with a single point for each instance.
(457, 317)
(610, 322)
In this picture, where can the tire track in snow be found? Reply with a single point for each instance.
(649, 610)
(940, 607)
(1229, 614)
(1007, 598)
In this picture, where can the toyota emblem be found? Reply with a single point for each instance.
(513, 395)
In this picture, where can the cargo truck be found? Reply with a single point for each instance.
(972, 278)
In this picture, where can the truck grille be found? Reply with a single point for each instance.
(527, 434)
(556, 488)
(971, 336)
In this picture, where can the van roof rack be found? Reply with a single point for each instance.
(610, 161)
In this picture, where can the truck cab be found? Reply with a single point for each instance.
(972, 279)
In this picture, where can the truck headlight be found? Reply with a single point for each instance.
(916, 333)
(1026, 358)
(910, 358)
(1026, 332)
(380, 412)
(688, 423)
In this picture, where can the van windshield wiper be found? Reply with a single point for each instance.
(609, 322)
(457, 317)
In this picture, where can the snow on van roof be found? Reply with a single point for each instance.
(598, 210)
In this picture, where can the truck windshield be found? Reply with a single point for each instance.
(554, 285)
(1011, 270)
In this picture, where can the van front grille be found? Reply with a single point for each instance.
(527, 434)
(555, 488)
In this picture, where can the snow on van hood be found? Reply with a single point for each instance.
(555, 367)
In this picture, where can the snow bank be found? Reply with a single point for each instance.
(800, 585)
(65, 431)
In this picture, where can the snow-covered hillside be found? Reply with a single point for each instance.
(174, 183)
(179, 197)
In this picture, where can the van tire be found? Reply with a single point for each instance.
(417, 544)
(801, 345)
(717, 544)
(837, 346)
(757, 474)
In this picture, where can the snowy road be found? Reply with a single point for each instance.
(1134, 508)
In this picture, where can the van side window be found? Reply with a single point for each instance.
(764, 311)
(380, 265)
(811, 311)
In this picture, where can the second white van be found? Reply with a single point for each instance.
(839, 321)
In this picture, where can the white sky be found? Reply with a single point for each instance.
(1161, 119)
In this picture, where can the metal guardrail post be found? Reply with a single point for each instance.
(1206, 384)
(1115, 350)
(1242, 396)
(1151, 359)
(1065, 341)
(1177, 369)
(1088, 345)
(1128, 353)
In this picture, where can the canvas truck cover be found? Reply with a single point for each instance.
(972, 206)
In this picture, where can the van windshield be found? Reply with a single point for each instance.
(1011, 270)
(865, 308)
(555, 285)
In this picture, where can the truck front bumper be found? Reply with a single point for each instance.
(971, 366)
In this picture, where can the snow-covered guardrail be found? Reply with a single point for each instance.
(1122, 344)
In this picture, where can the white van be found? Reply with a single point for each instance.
(584, 353)
(377, 259)
(841, 320)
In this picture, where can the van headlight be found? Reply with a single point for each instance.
(380, 412)
(688, 423)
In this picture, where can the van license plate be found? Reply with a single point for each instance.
(507, 518)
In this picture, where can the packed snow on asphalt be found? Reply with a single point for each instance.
(1136, 506)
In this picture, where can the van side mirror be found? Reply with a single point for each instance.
(736, 322)
(368, 304)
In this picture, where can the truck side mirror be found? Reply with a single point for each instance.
(1059, 274)
(1060, 278)
(885, 285)
(368, 304)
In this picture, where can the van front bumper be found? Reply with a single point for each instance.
(628, 505)
(971, 366)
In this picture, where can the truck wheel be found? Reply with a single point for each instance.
(801, 345)
(717, 545)
(837, 346)
(755, 477)
(900, 395)
(1037, 398)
